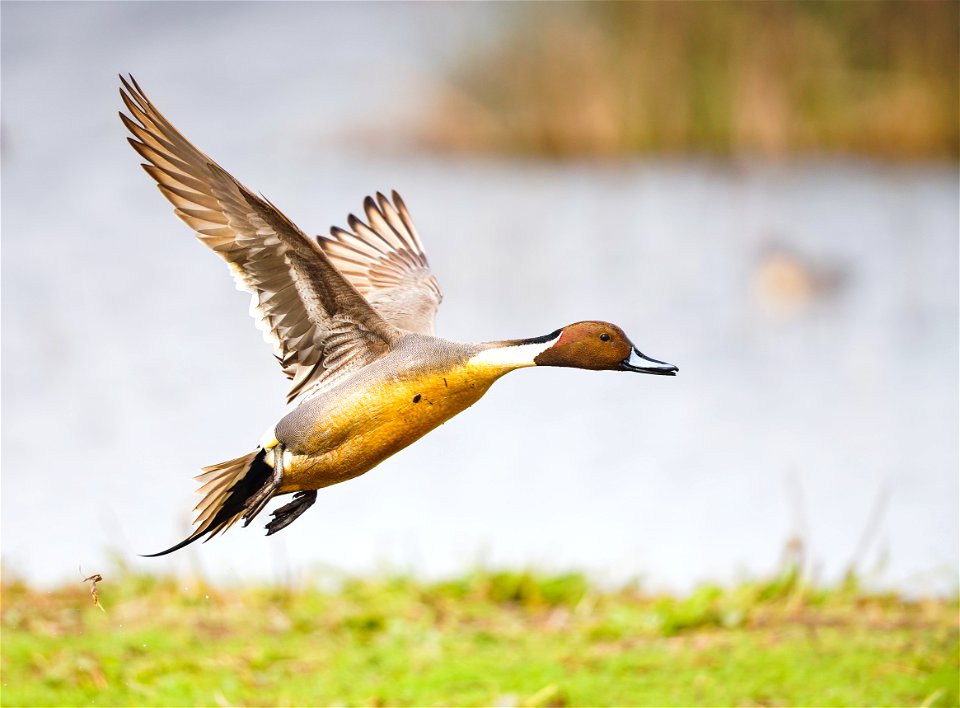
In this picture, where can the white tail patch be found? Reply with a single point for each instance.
(513, 356)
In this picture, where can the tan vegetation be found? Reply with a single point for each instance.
(775, 78)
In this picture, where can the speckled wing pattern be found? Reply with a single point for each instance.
(384, 260)
(320, 327)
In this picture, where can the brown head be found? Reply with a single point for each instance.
(599, 346)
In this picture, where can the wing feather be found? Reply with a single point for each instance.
(320, 326)
(384, 260)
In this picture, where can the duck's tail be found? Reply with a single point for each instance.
(225, 487)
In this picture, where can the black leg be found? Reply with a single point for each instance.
(288, 513)
(259, 500)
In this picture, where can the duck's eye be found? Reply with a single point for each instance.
(604, 337)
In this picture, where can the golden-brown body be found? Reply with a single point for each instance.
(352, 428)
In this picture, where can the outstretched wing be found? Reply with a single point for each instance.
(320, 327)
(384, 260)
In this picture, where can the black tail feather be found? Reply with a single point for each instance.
(258, 473)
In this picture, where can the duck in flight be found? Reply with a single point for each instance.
(351, 321)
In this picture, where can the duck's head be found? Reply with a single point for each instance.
(599, 346)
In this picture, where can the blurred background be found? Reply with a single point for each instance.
(764, 194)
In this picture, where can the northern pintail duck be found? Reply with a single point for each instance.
(351, 321)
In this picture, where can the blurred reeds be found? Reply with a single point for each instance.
(762, 78)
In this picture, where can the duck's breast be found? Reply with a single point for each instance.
(350, 429)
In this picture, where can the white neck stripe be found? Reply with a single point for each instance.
(512, 356)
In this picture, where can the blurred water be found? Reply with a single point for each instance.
(129, 360)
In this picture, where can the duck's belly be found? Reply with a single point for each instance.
(356, 429)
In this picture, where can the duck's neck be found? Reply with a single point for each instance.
(513, 353)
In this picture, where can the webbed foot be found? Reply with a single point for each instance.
(288, 513)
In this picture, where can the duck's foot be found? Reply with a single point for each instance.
(288, 513)
(255, 503)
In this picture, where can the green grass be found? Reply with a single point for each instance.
(491, 638)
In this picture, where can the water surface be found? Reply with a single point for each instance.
(811, 307)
